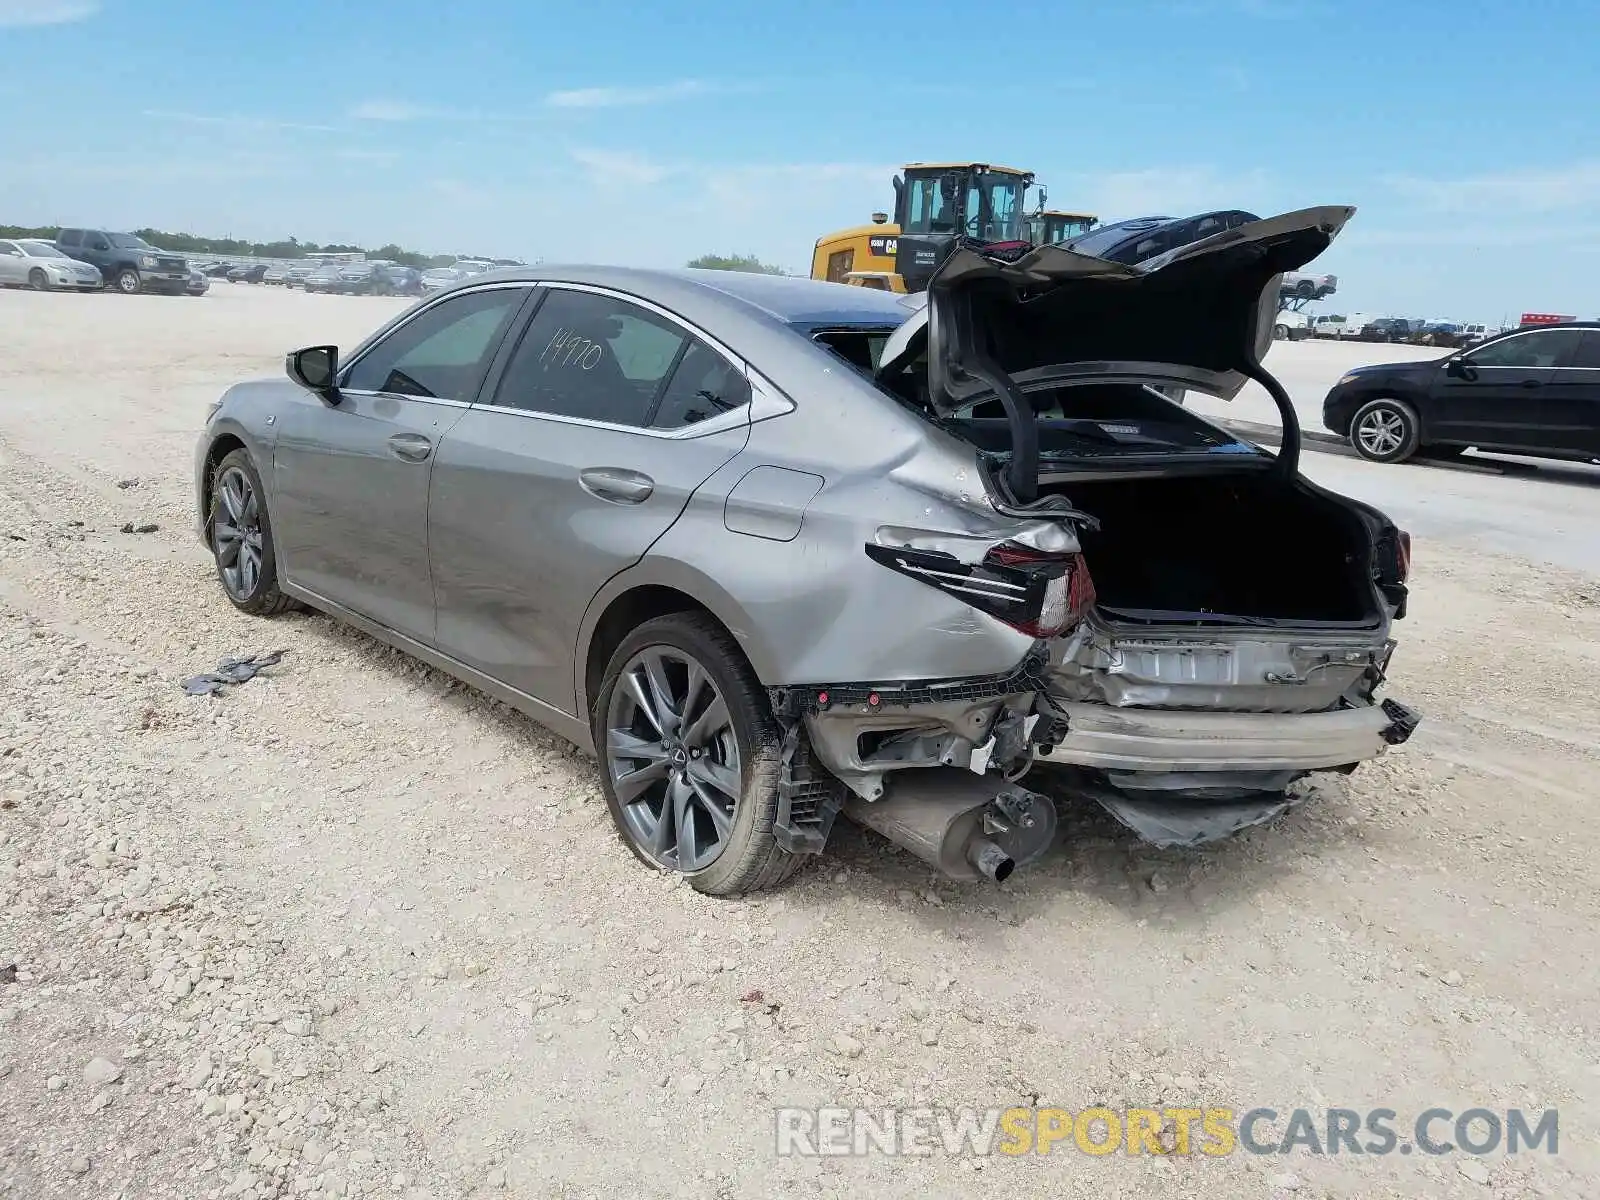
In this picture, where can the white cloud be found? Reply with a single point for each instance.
(620, 168)
(16, 13)
(390, 110)
(612, 97)
(236, 122)
(1511, 193)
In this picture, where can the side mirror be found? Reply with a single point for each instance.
(1460, 368)
(315, 368)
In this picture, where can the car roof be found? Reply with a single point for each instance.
(793, 300)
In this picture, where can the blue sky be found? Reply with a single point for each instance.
(1465, 133)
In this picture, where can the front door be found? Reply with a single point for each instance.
(13, 264)
(350, 480)
(1499, 395)
(606, 419)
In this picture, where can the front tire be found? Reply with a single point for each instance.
(1280, 333)
(240, 533)
(128, 282)
(37, 280)
(690, 757)
(1385, 430)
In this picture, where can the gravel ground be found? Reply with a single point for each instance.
(351, 929)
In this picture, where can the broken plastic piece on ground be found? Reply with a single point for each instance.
(232, 670)
(130, 527)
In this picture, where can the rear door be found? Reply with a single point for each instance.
(606, 417)
(350, 481)
(1501, 395)
(1575, 399)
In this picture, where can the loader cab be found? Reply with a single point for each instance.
(937, 204)
(1053, 226)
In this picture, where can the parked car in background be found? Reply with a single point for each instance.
(297, 272)
(276, 273)
(438, 278)
(1142, 238)
(1291, 326)
(1437, 333)
(1530, 391)
(127, 262)
(403, 281)
(1386, 329)
(1472, 334)
(622, 501)
(248, 273)
(1329, 325)
(29, 262)
(218, 269)
(322, 278)
(199, 282)
(1308, 287)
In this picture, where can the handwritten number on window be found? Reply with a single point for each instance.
(568, 349)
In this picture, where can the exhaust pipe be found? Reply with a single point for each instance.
(966, 826)
(991, 861)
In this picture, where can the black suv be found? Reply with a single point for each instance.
(127, 262)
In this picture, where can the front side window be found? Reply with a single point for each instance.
(127, 241)
(1549, 348)
(442, 353)
(10, 248)
(1588, 351)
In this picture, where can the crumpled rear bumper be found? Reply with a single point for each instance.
(1139, 739)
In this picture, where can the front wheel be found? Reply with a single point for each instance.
(690, 756)
(1385, 430)
(240, 533)
(37, 280)
(127, 281)
(1280, 332)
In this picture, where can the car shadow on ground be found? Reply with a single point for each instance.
(1092, 856)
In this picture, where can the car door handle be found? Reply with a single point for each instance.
(616, 485)
(412, 447)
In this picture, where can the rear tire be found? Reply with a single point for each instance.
(1280, 333)
(1385, 430)
(239, 531)
(747, 857)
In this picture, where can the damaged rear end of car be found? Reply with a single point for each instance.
(1208, 626)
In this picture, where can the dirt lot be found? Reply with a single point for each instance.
(351, 930)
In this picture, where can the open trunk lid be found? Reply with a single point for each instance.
(1198, 317)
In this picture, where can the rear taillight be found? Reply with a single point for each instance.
(1402, 554)
(1037, 592)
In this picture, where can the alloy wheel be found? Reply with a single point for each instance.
(1381, 432)
(673, 757)
(236, 535)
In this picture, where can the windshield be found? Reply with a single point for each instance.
(993, 204)
(1059, 227)
(41, 249)
(127, 241)
(994, 208)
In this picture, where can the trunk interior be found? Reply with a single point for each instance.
(1208, 548)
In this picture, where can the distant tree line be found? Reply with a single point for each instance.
(735, 262)
(188, 243)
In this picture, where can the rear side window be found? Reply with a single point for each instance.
(598, 358)
(704, 385)
(70, 237)
(1588, 351)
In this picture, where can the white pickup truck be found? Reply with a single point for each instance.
(1291, 326)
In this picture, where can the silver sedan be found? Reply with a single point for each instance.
(30, 262)
(776, 549)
